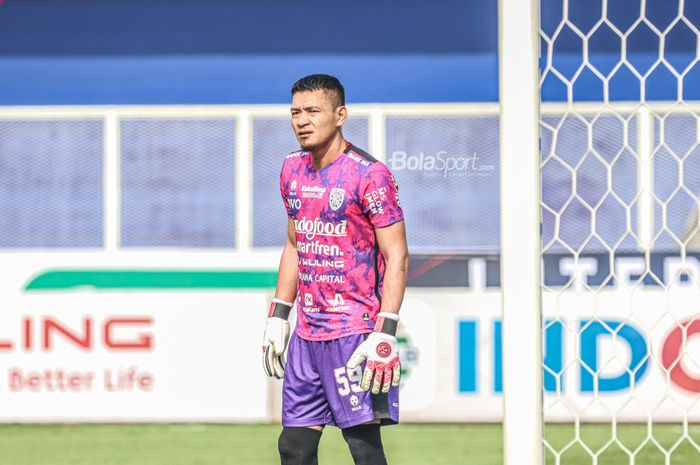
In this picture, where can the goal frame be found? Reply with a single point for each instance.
(519, 95)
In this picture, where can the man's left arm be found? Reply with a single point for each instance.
(381, 349)
(392, 242)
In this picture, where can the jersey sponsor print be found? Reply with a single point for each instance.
(335, 211)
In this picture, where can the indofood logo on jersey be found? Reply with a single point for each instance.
(316, 227)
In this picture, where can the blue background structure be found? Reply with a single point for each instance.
(245, 51)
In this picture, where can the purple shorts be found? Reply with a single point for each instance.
(319, 390)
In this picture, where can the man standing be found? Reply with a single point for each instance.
(345, 265)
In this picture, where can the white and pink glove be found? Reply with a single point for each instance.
(276, 338)
(381, 350)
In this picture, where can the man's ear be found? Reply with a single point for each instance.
(342, 115)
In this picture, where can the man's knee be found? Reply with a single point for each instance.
(365, 443)
(299, 446)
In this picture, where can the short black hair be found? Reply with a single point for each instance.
(325, 82)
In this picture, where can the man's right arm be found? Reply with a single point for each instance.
(288, 272)
(276, 337)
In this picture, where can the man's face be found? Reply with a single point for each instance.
(315, 119)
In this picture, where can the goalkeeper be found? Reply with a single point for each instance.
(344, 265)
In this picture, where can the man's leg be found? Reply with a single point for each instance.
(357, 412)
(304, 406)
(365, 443)
(299, 445)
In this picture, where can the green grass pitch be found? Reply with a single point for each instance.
(410, 444)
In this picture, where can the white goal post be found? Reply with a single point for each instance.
(520, 231)
(605, 182)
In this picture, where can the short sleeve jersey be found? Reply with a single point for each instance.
(336, 210)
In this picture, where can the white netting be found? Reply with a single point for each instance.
(620, 201)
(449, 183)
(178, 182)
(51, 184)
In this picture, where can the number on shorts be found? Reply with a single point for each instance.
(348, 380)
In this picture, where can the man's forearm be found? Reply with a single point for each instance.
(288, 274)
(394, 286)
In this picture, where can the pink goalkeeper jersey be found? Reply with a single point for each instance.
(335, 211)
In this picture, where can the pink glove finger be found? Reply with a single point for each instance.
(396, 379)
(367, 376)
(378, 374)
(387, 379)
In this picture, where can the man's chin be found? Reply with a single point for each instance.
(307, 147)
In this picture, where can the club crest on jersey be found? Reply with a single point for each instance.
(335, 200)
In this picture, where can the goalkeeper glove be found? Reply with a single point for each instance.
(381, 350)
(276, 338)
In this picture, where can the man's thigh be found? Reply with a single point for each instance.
(304, 401)
(349, 404)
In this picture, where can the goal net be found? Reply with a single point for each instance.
(620, 167)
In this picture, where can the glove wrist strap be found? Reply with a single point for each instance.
(387, 323)
(280, 309)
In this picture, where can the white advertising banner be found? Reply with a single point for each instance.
(435, 387)
(630, 354)
(117, 351)
(181, 342)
